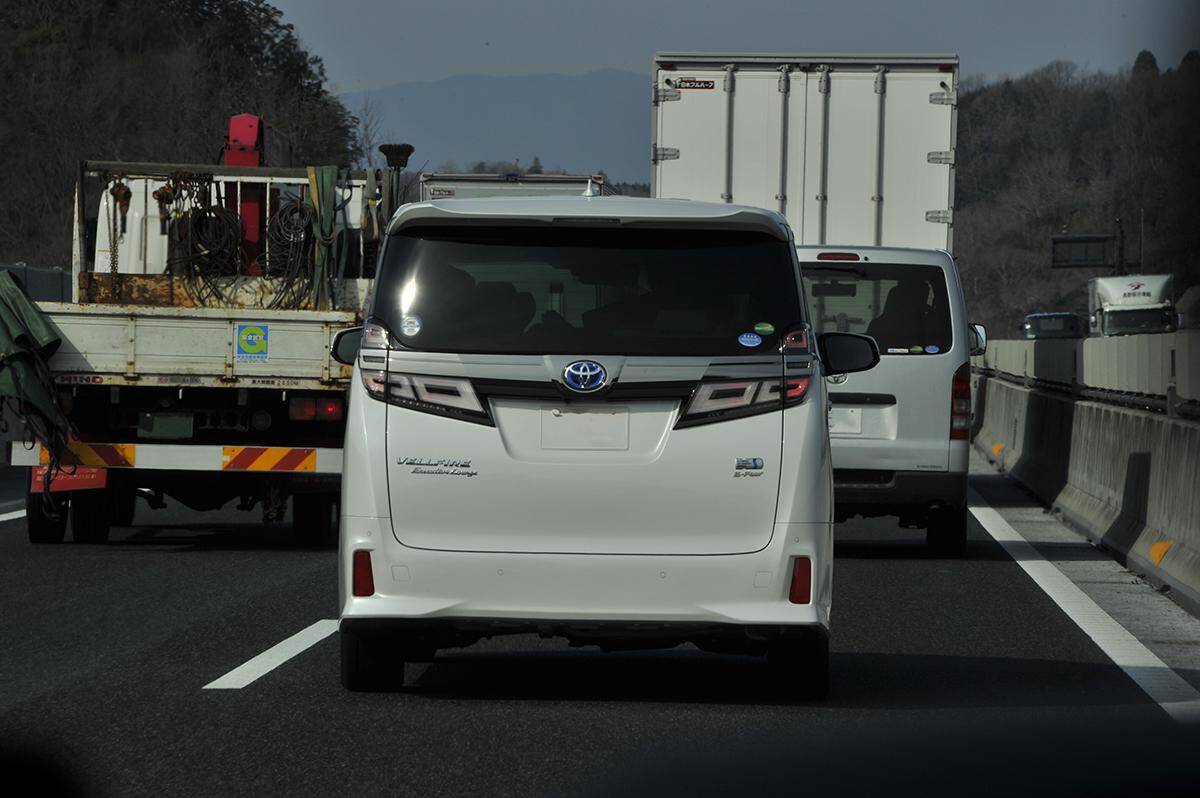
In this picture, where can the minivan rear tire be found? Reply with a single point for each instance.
(946, 533)
(369, 664)
(800, 667)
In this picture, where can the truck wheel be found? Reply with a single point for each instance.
(91, 516)
(369, 664)
(313, 518)
(946, 533)
(800, 667)
(124, 505)
(46, 516)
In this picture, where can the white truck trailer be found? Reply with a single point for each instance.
(851, 149)
(202, 378)
(448, 185)
(1133, 304)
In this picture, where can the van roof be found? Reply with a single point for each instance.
(615, 210)
(900, 255)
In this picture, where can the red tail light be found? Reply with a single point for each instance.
(837, 256)
(363, 579)
(801, 592)
(960, 404)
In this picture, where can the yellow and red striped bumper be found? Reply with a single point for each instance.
(302, 461)
(270, 458)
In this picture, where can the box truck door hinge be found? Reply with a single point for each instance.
(947, 97)
(823, 81)
(941, 217)
(785, 79)
(729, 70)
(665, 94)
(663, 154)
(880, 79)
(941, 156)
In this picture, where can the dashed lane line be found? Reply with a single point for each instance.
(1164, 686)
(13, 516)
(274, 656)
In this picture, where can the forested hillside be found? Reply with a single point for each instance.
(148, 80)
(1064, 150)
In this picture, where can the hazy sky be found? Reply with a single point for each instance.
(371, 43)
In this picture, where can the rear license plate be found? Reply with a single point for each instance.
(845, 420)
(585, 429)
(165, 425)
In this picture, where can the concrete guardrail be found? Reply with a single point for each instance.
(1146, 365)
(1123, 476)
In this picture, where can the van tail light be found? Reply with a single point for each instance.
(721, 401)
(362, 580)
(801, 589)
(960, 403)
(444, 396)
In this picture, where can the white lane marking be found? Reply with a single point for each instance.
(274, 656)
(1164, 686)
(13, 516)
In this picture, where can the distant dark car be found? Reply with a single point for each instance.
(1052, 325)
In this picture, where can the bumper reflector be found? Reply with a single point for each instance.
(801, 592)
(363, 581)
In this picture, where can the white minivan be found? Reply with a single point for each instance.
(602, 419)
(899, 432)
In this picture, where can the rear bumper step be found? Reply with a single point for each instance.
(299, 460)
(879, 489)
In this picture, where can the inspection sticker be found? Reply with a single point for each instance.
(252, 344)
(749, 339)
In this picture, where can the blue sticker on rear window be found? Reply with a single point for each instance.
(933, 349)
(749, 339)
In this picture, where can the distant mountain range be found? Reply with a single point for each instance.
(582, 123)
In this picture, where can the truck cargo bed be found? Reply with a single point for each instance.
(197, 347)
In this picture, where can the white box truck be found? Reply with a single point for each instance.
(851, 149)
(446, 185)
(1135, 303)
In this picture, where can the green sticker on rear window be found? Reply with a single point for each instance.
(764, 328)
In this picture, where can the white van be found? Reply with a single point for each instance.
(596, 418)
(899, 432)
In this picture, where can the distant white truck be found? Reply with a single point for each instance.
(445, 185)
(851, 149)
(1133, 304)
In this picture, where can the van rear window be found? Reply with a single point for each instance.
(542, 290)
(903, 307)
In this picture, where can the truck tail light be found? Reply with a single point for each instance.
(960, 403)
(721, 401)
(801, 589)
(310, 408)
(362, 580)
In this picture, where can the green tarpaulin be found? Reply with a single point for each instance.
(27, 340)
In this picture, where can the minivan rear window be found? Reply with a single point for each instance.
(559, 290)
(903, 307)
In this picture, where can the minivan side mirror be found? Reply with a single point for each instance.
(345, 345)
(846, 353)
(976, 339)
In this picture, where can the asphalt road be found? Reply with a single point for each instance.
(950, 676)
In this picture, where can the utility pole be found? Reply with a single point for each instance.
(1142, 241)
(1120, 247)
